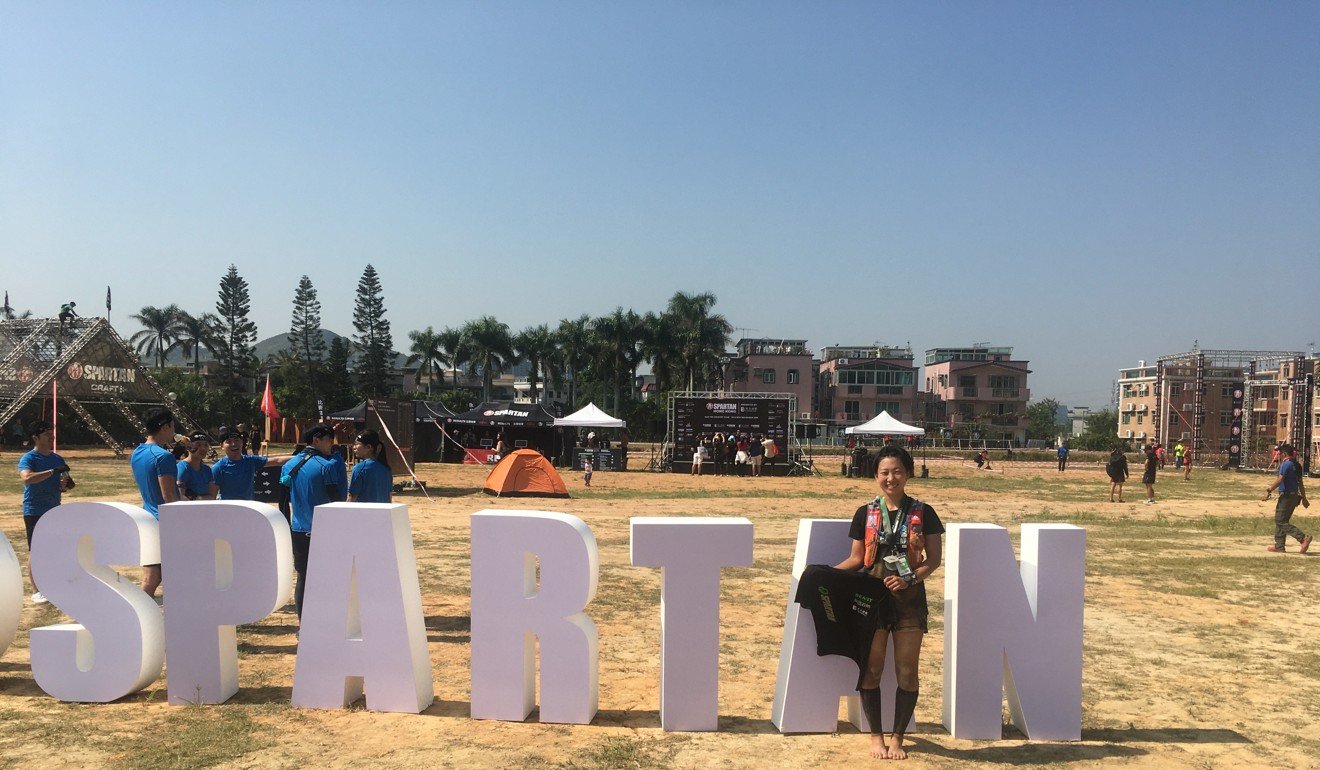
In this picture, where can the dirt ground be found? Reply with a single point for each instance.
(1201, 649)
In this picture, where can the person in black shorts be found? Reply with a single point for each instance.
(1148, 475)
(897, 540)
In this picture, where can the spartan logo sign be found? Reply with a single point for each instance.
(75, 371)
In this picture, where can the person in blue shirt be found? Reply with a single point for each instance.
(1063, 457)
(233, 476)
(45, 476)
(372, 481)
(314, 477)
(156, 475)
(194, 474)
(1291, 492)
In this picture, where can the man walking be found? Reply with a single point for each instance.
(156, 474)
(45, 476)
(1063, 457)
(315, 477)
(1291, 492)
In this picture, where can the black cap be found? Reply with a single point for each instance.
(199, 436)
(317, 431)
(36, 428)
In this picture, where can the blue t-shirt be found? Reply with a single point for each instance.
(196, 481)
(372, 482)
(1291, 481)
(237, 478)
(310, 487)
(149, 463)
(1063, 452)
(44, 495)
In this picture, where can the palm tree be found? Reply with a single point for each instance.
(485, 345)
(159, 335)
(450, 339)
(428, 349)
(574, 338)
(192, 333)
(618, 343)
(701, 336)
(536, 345)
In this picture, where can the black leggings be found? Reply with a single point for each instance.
(302, 545)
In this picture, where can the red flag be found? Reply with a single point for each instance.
(268, 402)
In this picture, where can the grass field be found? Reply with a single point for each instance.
(1201, 649)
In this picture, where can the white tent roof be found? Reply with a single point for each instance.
(589, 416)
(883, 423)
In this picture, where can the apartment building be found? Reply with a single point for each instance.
(1189, 397)
(858, 382)
(767, 365)
(978, 391)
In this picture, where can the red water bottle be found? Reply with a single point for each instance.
(916, 539)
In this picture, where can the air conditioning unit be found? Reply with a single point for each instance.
(1142, 434)
(1186, 435)
(1141, 407)
(1187, 407)
(806, 415)
(1127, 434)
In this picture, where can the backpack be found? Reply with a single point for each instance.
(286, 484)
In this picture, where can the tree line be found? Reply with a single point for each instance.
(593, 359)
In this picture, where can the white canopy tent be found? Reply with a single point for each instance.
(883, 424)
(589, 416)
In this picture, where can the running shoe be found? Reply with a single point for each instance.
(1306, 543)
(1275, 549)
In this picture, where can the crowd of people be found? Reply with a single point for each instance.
(166, 469)
(732, 454)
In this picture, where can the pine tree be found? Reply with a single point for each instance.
(375, 346)
(237, 334)
(302, 363)
(306, 342)
(339, 383)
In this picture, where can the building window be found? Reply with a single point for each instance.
(854, 390)
(1226, 391)
(1225, 419)
(768, 376)
(887, 406)
(1140, 418)
(1003, 386)
(792, 376)
(1127, 418)
(967, 383)
(852, 410)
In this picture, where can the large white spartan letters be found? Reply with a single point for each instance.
(690, 552)
(808, 686)
(1023, 636)
(225, 563)
(362, 621)
(11, 593)
(508, 610)
(116, 646)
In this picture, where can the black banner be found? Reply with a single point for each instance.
(702, 416)
(1235, 428)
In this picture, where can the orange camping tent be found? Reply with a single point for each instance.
(524, 473)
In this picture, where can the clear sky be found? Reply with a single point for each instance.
(1091, 183)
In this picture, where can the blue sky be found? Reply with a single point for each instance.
(1092, 183)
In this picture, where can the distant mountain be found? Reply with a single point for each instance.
(265, 350)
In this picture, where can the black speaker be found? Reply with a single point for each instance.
(813, 431)
(800, 431)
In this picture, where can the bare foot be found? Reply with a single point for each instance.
(896, 748)
(878, 748)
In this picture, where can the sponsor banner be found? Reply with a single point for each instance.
(703, 416)
(1235, 428)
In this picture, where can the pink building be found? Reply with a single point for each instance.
(773, 366)
(858, 382)
(978, 392)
